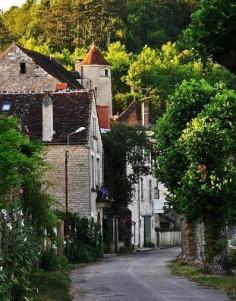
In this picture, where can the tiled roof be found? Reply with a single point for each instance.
(103, 119)
(94, 57)
(132, 114)
(133, 107)
(71, 110)
(50, 65)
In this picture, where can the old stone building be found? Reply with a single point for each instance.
(95, 73)
(26, 70)
(51, 117)
(52, 103)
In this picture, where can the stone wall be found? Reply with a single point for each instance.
(85, 172)
(35, 78)
(78, 177)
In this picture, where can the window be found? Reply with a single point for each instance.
(150, 191)
(106, 72)
(142, 190)
(22, 68)
(96, 91)
(94, 127)
(98, 172)
(92, 173)
(157, 192)
(6, 106)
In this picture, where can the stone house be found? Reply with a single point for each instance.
(26, 70)
(51, 117)
(51, 102)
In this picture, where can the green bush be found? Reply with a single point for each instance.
(50, 261)
(150, 245)
(85, 239)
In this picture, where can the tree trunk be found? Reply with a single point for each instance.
(215, 248)
(188, 243)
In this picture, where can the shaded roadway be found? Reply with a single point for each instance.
(139, 277)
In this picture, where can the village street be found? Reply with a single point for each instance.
(140, 277)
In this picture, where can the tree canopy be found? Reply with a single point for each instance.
(213, 31)
(195, 151)
(78, 23)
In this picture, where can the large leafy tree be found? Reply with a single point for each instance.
(159, 71)
(152, 22)
(213, 31)
(120, 61)
(207, 190)
(5, 35)
(185, 103)
(186, 156)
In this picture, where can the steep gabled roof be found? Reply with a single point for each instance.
(94, 57)
(71, 110)
(133, 107)
(132, 115)
(50, 65)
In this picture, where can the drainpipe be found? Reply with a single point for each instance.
(89, 188)
(139, 213)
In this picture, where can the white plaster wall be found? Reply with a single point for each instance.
(95, 151)
(146, 208)
(159, 203)
(96, 74)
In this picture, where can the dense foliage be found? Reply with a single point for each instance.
(85, 239)
(25, 209)
(213, 31)
(196, 144)
(67, 24)
(155, 73)
(124, 148)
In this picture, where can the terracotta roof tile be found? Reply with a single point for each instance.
(103, 119)
(94, 57)
(132, 115)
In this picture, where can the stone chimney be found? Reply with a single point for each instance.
(47, 118)
(145, 114)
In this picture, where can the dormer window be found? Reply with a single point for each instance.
(6, 106)
(22, 68)
(106, 72)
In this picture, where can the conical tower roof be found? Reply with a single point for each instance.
(94, 57)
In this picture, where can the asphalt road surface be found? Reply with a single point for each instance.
(139, 277)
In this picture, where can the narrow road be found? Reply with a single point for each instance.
(139, 277)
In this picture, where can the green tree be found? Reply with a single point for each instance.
(152, 22)
(185, 103)
(159, 71)
(58, 24)
(124, 161)
(213, 31)
(178, 147)
(95, 21)
(25, 207)
(207, 190)
(120, 61)
(5, 35)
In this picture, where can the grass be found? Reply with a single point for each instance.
(52, 286)
(224, 283)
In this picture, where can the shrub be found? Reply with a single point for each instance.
(50, 261)
(85, 239)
